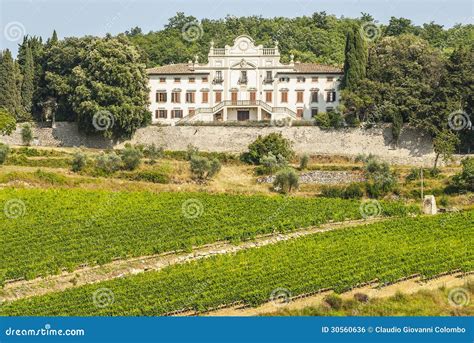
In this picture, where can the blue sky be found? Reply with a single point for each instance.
(97, 17)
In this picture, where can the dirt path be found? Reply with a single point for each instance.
(409, 286)
(121, 268)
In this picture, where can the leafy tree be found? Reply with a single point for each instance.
(26, 134)
(355, 60)
(202, 168)
(131, 157)
(464, 181)
(304, 161)
(27, 86)
(79, 161)
(262, 146)
(101, 82)
(286, 180)
(10, 85)
(399, 26)
(7, 122)
(379, 178)
(4, 151)
(270, 163)
(444, 145)
(33, 45)
(108, 163)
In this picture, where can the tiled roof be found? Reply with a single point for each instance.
(315, 68)
(180, 68)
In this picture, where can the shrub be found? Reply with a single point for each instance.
(155, 176)
(108, 163)
(336, 120)
(464, 181)
(304, 161)
(4, 151)
(380, 179)
(286, 180)
(191, 151)
(202, 168)
(153, 152)
(332, 192)
(26, 134)
(333, 300)
(322, 120)
(414, 174)
(361, 297)
(352, 191)
(270, 163)
(131, 157)
(79, 161)
(262, 146)
(7, 122)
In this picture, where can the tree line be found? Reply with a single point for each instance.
(398, 73)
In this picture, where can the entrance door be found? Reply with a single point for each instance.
(243, 115)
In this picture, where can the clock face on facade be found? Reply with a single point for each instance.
(243, 45)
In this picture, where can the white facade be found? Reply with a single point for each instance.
(251, 81)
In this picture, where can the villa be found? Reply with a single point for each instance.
(242, 82)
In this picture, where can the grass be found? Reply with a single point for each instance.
(339, 260)
(422, 303)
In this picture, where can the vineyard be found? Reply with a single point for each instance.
(45, 231)
(340, 259)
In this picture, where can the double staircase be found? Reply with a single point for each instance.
(238, 103)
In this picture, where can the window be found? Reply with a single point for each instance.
(284, 96)
(177, 79)
(329, 109)
(314, 112)
(218, 96)
(176, 113)
(233, 96)
(218, 78)
(299, 113)
(190, 97)
(314, 96)
(268, 96)
(299, 96)
(284, 79)
(162, 79)
(161, 97)
(205, 97)
(300, 79)
(253, 96)
(269, 75)
(192, 80)
(176, 97)
(330, 78)
(243, 77)
(204, 79)
(162, 114)
(191, 111)
(314, 79)
(331, 96)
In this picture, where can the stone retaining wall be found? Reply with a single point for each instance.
(414, 148)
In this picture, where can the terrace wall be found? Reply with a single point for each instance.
(413, 148)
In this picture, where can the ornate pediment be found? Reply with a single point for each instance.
(243, 64)
(244, 45)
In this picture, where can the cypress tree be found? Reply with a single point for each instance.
(355, 62)
(27, 86)
(10, 85)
